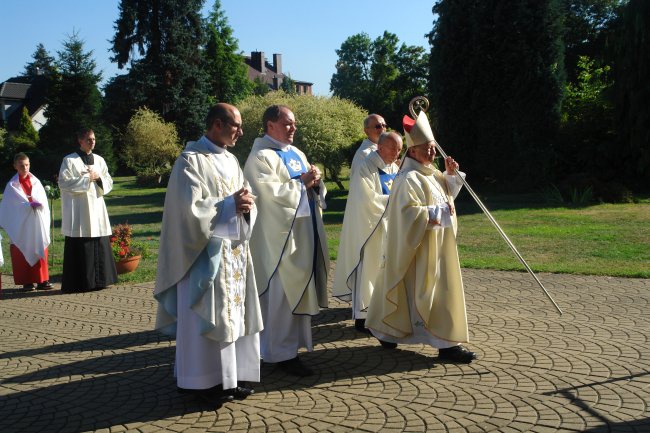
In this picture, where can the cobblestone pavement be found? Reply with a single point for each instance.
(91, 362)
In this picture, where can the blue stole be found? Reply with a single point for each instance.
(292, 162)
(294, 165)
(386, 181)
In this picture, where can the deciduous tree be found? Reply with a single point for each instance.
(380, 75)
(150, 144)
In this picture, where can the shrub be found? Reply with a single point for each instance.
(150, 144)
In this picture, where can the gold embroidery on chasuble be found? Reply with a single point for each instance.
(233, 261)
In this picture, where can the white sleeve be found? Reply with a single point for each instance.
(434, 215)
(303, 207)
(454, 183)
(228, 224)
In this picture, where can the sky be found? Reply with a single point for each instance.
(305, 32)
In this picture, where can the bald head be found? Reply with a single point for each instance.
(223, 125)
(373, 126)
(389, 145)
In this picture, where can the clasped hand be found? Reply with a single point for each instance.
(244, 200)
(311, 177)
(93, 175)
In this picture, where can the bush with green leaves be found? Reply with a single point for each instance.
(150, 144)
(326, 127)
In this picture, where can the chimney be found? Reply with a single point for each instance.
(276, 82)
(277, 63)
(257, 61)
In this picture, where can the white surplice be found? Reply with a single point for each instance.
(83, 210)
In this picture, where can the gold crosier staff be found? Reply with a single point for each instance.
(422, 104)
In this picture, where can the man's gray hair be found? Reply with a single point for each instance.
(366, 121)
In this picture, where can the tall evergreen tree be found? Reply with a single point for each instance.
(42, 64)
(167, 35)
(74, 102)
(633, 91)
(227, 72)
(496, 84)
(380, 75)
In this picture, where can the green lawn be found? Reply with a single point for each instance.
(603, 239)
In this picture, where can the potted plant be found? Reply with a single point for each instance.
(126, 252)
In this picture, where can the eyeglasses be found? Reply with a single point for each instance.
(380, 126)
(235, 125)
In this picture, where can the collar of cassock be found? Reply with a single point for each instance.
(87, 158)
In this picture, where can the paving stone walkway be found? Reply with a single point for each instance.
(91, 362)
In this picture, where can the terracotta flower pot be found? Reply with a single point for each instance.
(125, 266)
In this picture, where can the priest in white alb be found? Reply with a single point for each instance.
(288, 244)
(205, 285)
(25, 216)
(373, 126)
(361, 240)
(419, 297)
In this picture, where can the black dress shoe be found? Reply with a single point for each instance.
(239, 392)
(215, 394)
(295, 367)
(360, 325)
(387, 344)
(27, 287)
(45, 285)
(457, 354)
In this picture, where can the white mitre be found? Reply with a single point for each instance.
(417, 131)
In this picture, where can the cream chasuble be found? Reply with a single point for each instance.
(27, 227)
(283, 242)
(83, 209)
(365, 148)
(360, 253)
(421, 263)
(205, 242)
